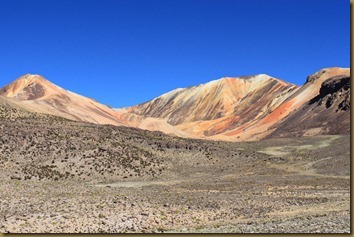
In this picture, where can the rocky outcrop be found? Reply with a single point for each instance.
(335, 89)
(326, 113)
(312, 78)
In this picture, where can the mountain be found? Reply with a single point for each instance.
(219, 109)
(36, 94)
(231, 108)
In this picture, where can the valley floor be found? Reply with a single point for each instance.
(299, 185)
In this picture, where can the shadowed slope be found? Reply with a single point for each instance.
(326, 113)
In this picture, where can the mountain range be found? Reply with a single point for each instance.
(230, 109)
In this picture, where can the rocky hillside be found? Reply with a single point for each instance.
(43, 147)
(326, 113)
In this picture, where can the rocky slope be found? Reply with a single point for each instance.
(229, 109)
(326, 113)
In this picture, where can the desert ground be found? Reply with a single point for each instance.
(60, 176)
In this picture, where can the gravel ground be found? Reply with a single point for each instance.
(65, 207)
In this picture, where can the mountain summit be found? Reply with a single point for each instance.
(28, 87)
(35, 93)
(231, 108)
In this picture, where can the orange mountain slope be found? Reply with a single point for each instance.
(34, 93)
(213, 108)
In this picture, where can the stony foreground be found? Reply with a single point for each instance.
(59, 176)
(68, 207)
(271, 197)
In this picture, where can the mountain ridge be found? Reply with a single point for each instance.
(229, 108)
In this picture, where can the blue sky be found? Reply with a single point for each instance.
(125, 52)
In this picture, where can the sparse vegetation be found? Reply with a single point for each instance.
(64, 176)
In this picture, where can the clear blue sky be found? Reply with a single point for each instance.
(125, 52)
